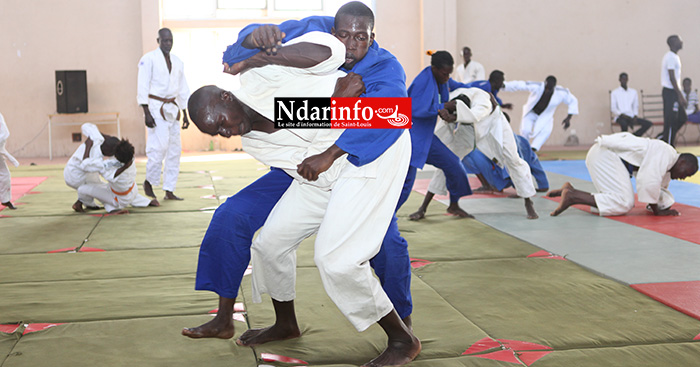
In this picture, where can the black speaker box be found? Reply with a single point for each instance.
(71, 91)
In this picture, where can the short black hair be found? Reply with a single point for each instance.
(496, 74)
(164, 30)
(109, 145)
(464, 99)
(551, 78)
(623, 74)
(355, 9)
(124, 151)
(670, 38)
(465, 48)
(441, 59)
(691, 161)
(688, 79)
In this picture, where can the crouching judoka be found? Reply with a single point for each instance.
(5, 178)
(85, 164)
(654, 163)
(349, 207)
(121, 190)
(492, 135)
(495, 178)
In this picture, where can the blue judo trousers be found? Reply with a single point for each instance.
(225, 250)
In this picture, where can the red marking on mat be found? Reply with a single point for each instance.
(91, 249)
(268, 357)
(682, 296)
(546, 255)
(697, 337)
(22, 186)
(421, 186)
(208, 197)
(31, 328)
(683, 227)
(208, 187)
(9, 329)
(239, 317)
(512, 351)
(418, 263)
(62, 250)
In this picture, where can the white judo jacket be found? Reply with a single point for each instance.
(155, 79)
(4, 134)
(560, 95)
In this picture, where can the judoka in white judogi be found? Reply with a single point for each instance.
(350, 207)
(491, 134)
(5, 178)
(119, 192)
(79, 171)
(611, 178)
(165, 92)
(534, 127)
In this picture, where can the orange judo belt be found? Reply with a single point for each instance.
(124, 192)
(165, 101)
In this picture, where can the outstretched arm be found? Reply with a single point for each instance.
(300, 55)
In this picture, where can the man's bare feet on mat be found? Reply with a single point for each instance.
(454, 209)
(557, 193)
(212, 329)
(78, 207)
(567, 200)
(418, 215)
(530, 209)
(397, 353)
(275, 332)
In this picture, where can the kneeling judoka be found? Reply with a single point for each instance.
(349, 207)
(654, 163)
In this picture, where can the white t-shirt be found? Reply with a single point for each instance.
(624, 102)
(671, 61)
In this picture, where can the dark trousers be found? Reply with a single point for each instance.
(673, 120)
(628, 122)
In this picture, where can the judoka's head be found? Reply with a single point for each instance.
(687, 85)
(165, 40)
(674, 42)
(217, 112)
(124, 151)
(442, 65)
(109, 146)
(467, 54)
(685, 166)
(496, 79)
(550, 83)
(353, 26)
(464, 99)
(623, 80)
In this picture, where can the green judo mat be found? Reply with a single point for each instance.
(478, 299)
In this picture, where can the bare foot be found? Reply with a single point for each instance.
(454, 209)
(154, 202)
(216, 328)
(397, 353)
(148, 189)
(78, 207)
(544, 189)
(170, 196)
(557, 193)
(275, 332)
(420, 214)
(566, 201)
(530, 209)
(9, 205)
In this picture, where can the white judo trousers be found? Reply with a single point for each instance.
(536, 128)
(493, 136)
(350, 207)
(163, 146)
(5, 177)
(611, 178)
(351, 220)
(119, 193)
(79, 171)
